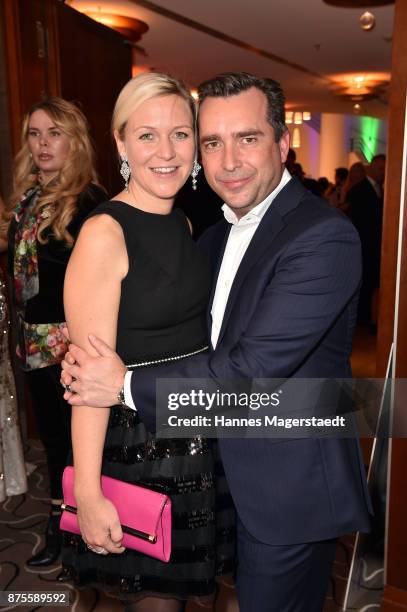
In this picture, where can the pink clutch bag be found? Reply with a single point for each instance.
(145, 515)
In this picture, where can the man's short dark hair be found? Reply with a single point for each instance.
(234, 83)
(341, 174)
(378, 157)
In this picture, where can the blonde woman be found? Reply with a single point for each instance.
(138, 281)
(55, 188)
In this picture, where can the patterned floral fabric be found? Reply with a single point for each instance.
(26, 281)
(40, 344)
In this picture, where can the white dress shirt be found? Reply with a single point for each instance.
(239, 238)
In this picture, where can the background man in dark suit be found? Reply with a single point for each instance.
(366, 212)
(286, 278)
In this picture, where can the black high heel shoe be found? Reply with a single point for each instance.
(53, 542)
(64, 575)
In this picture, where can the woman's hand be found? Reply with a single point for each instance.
(99, 524)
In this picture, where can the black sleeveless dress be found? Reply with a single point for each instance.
(161, 314)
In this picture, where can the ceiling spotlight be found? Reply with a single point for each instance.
(359, 87)
(296, 141)
(357, 108)
(130, 27)
(194, 94)
(367, 21)
(306, 116)
(298, 118)
(289, 116)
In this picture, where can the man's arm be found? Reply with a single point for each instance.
(317, 276)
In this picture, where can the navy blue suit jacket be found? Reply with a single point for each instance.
(291, 313)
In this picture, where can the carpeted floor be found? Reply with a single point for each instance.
(22, 520)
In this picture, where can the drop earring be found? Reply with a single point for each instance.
(194, 173)
(125, 171)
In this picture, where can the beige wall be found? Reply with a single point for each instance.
(323, 151)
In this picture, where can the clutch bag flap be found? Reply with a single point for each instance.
(145, 515)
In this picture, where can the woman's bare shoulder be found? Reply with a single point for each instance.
(101, 244)
(102, 229)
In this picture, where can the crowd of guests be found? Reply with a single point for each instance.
(358, 193)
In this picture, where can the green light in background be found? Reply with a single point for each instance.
(369, 128)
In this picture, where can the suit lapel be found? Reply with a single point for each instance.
(269, 227)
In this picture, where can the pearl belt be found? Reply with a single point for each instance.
(142, 364)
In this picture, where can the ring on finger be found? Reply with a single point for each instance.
(99, 550)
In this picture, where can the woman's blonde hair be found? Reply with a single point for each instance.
(60, 195)
(144, 87)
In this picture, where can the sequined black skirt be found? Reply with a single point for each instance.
(203, 517)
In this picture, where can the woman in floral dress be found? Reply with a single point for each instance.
(55, 188)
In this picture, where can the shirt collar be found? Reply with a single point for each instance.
(256, 214)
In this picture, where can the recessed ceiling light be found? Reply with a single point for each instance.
(296, 141)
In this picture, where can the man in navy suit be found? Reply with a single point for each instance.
(287, 272)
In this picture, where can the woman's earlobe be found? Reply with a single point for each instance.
(119, 144)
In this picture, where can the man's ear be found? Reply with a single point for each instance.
(119, 144)
(284, 145)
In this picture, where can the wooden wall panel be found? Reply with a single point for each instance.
(394, 600)
(12, 61)
(94, 63)
(36, 37)
(395, 596)
(401, 337)
(392, 187)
